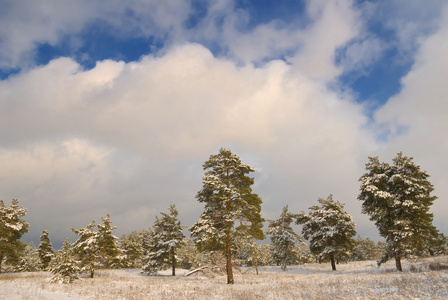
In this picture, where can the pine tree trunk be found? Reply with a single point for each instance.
(1, 260)
(92, 270)
(228, 250)
(256, 265)
(285, 257)
(333, 265)
(256, 259)
(173, 262)
(398, 261)
(229, 259)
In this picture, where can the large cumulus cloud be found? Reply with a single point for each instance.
(129, 138)
(146, 123)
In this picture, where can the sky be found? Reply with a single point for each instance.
(113, 106)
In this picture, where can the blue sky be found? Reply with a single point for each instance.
(106, 105)
(375, 82)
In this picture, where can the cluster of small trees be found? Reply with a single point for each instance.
(397, 198)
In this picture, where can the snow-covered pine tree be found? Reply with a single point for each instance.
(131, 247)
(45, 249)
(440, 246)
(367, 249)
(397, 198)
(262, 255)
(252, 254)
(96, 248)
(29, 260)
(304, 254)
(283, 239)
(107, 243)
(330, 230)
(12, 227)
(64, 266)
(189, 256)
(165, 239)
(231, 208)
(86, 248)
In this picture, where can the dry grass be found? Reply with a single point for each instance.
(424, 279)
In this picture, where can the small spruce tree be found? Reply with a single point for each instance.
(46, 252)
(252, 254)
(189, 256)
(440, 246)
(107, 243)
(165, 239)
(64, 266)
(86, 248)
(132, 248)
(367, 249)
(29, 260)
(330, 230)
(284, 239)
(96, 248)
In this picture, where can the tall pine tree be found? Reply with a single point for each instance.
(284, 239)
(165, 239)
(231, 208)
(107, 243)
(330, 230)
(397, 198)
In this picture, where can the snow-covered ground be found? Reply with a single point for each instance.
(422, 279)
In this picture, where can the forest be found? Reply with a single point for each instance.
(228, 237)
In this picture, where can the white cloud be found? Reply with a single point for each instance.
(266, 41)
(165, 115)
(38, 166)
(335, 24)
(310, 49)
(58, 182)
(360, 54)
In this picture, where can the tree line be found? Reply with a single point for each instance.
(396, 197)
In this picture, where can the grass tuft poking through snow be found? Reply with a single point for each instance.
(421, 279)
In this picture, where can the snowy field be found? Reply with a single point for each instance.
(422, 279)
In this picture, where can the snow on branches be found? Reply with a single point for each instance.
(397, 198)
(283, 239)
(164, 240)
(96, 248)
(330, 230)
(231, 208)
(12, 227)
